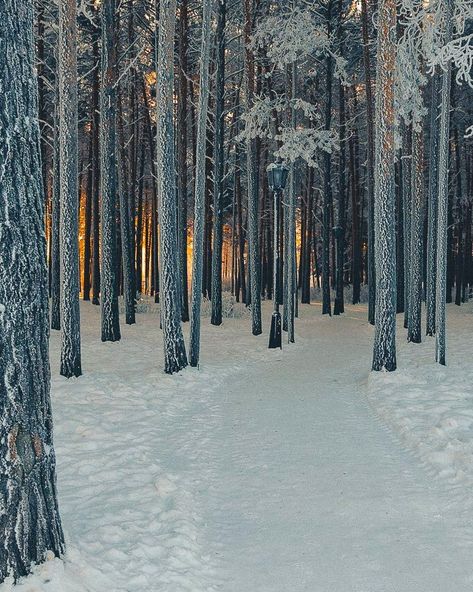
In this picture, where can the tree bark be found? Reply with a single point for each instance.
(384, 350)
(174, 349)
(442, 211)
(216, 318)
(108, 174)
(199, 197)
(29, 520)
(69, 191)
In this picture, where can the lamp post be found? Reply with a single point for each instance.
(277, 177)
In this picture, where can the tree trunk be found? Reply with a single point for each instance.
(216, 318)
(29, 519)
(96, 170)
(125, 224)
(442, 211)
(370, 159)
(174, 349)
(108, 174)
(432, 206)
(414, 333)
(384, 350)
(253, 239)
(199, 198)
(339, 283)
(182, 158)
(327, 203)
(69, 191)
(55, 238)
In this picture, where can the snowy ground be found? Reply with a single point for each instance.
(264, 471)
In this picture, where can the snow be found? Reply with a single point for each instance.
(431, 406)
(264, 470)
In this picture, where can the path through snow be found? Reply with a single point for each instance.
(265, 471)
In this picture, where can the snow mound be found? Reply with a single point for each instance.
(431, 406)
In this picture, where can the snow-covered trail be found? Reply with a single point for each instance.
(315, 494)
(263, 471)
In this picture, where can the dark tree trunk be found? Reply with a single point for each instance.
(216, 318)
(175, 357)
(108, 174)
(55, 284)
(327, 203)
(29, 519)
(69, 191)
(96, 173)
(253, 240)
(340, 235)
(126, 231)
(88, 221)
(369, 159)
(182, 145)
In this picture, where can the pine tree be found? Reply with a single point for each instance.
(431, 271)
(69, 190)
(55, 283)
(370, 158)
(414, 333)
(182, 146)
(442, 211)
(216, 318)
(108, 174)
(29, 518)
(174, 349)
(200, 178)
(126, 232)
(384, 351)
(253, 206)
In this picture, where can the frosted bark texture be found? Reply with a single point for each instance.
(174, 349)
(442, 212)
(199, 197)
(69, 191)
(414, 333)
(108, 175)
(384, 351)
(29, 518)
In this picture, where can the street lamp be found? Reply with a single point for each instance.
(277, 178)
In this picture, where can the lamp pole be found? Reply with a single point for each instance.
(277, 177)
(275, 338)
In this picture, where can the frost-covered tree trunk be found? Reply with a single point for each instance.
(96, 174)
(384, 350)
(369, 160)
(406, 165)
(29, 519)
(414, 332)
(291, 221)
(125, 226)
(174, 349)
(290, 252)
(339, 307)
(253, 238)
(69, 190)
(216, 318)
(108, 174)
(327, 199)
(55, 240)
(88, 223)
(182, 145)
(200, 178)
(431, 271)
(442, 212)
